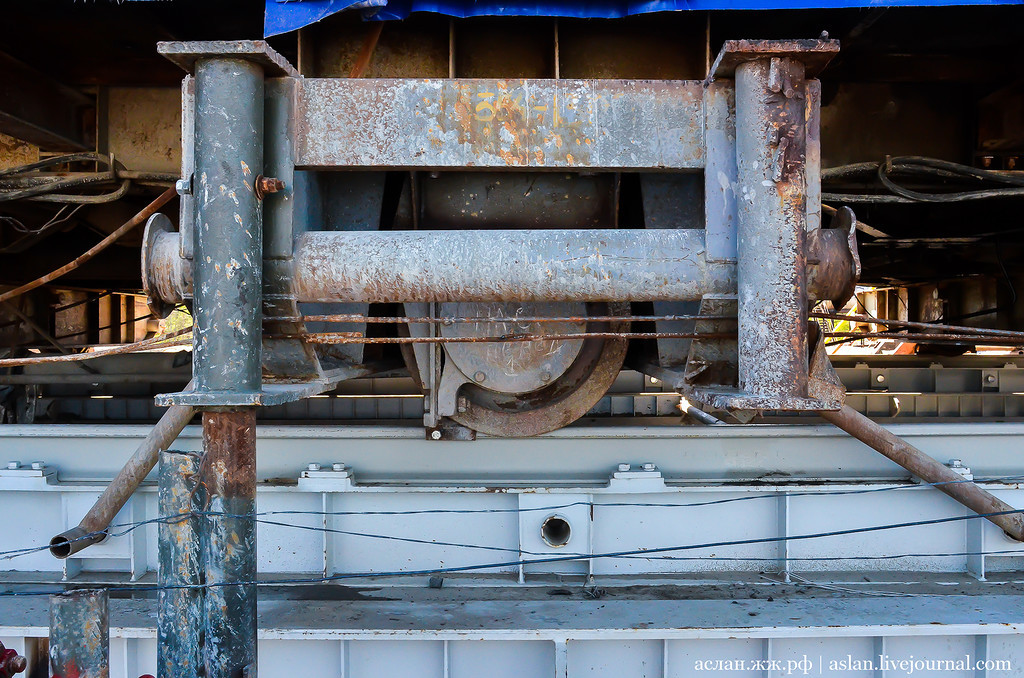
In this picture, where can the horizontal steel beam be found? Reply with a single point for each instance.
(40, 110)
(557, 124)
(536, 265)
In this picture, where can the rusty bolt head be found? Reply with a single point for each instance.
(1011, 163)
(266, 185)
(986, 161)
(463, 405)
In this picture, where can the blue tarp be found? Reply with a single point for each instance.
(289, 15)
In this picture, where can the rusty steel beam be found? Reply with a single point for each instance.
(1010, 520)
(771, 227)
(229, 542)
(466, 123)
(92, 529)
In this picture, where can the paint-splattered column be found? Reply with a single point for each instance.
(770, 156)
(228, 264)
(228, 233)
(772, 115)
(79, 634)
(227, 267)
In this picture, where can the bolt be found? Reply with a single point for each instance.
(313, 467)
(183, 186)
(435, 435)
(990, 378)
(479, 376)
(37, 466)
(655, 381)
(1011, 163)
(624, 467)
(649, 467)
(545, 377)
(13, 465)
(463, 405)
(338, 466)
(266, 185)
(986, 161)
(955, 463)
(880, 378)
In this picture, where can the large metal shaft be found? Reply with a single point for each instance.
(536, 265)
(927, 469)
(228, 231)
(179, 634)
(91, 529)
(80, 634)
(229, 542)
(529, 265)
(771, 226)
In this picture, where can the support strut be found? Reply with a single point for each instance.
(1010, 520)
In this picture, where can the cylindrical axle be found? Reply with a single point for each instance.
(503, 265)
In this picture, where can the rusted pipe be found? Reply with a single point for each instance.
(92, 529)
(924, 467)
(498, 265)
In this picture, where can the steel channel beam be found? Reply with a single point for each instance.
(179, 636)
(229, 543)
(80, 634)
(771, 227)
(228, 244)
(467, 123)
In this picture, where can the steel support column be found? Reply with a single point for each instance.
(228, 242)
(771, 210)
(80, 634)
(229, 542)
(179, 638)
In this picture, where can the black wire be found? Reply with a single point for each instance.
(546, 560)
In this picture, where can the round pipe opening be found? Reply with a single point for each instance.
(555, 531)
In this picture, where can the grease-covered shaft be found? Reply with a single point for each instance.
(229, 542)
(926, 468)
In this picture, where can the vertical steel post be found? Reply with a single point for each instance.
(229, 542)
(228, 246)
(79, 634)
(771, 211)
(228, 262)
(179, 633)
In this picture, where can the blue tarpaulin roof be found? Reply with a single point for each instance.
(289, 15)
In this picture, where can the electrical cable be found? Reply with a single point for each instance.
(921, 166)
(544, 560)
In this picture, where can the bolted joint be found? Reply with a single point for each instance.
(266, 185)
(11, 662)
